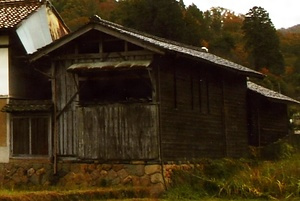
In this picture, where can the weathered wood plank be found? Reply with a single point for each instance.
(66, 88)
(118, 132)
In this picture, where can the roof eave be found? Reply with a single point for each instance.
(277, 100)
(253, 74)
(270, 94)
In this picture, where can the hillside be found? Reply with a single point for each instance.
(293, 29)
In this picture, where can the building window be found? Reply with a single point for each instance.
(115, 87)
(30, 135)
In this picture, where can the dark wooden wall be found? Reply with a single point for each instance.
(235, 115)
(203, 111)
(268, 121)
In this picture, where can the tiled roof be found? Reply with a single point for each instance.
(12, 12)
(162, 44)
(176, 47)
(269, 93)
(28, 106)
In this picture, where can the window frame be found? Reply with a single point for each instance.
(29, 117)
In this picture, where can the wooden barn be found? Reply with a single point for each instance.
(122, 95)
(267, 115)
(113, 94)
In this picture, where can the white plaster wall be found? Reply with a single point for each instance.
(4, 66)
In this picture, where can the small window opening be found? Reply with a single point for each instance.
(116, 87)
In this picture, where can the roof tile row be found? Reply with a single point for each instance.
(12, 12)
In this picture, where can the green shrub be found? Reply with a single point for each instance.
(278, 150)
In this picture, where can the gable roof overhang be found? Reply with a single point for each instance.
(270, 94)
(81, 31)
(150, 42)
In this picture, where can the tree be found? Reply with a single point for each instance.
(195, 30)
(162, 18)
(77, 12)
(262, 41)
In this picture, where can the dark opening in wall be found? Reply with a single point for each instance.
(124, 86)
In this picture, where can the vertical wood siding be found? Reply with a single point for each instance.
(235, 115)
(194, 127)
(67, 121)
(268, 120)
(118, 132)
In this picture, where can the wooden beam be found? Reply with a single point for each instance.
(103, 55)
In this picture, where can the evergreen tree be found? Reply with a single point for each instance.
(162, 18)
(195, 32)
(262, 41)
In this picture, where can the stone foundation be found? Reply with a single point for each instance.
(40, 175)
(74, 175)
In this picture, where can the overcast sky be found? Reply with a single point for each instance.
(283, 13)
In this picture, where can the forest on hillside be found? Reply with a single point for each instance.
(249, 39)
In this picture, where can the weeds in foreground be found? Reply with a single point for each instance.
(249, 179)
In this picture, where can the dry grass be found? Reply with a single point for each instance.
(92, 194)
(245, 179)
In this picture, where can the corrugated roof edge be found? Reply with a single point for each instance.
(269, 93)
(166, 45)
